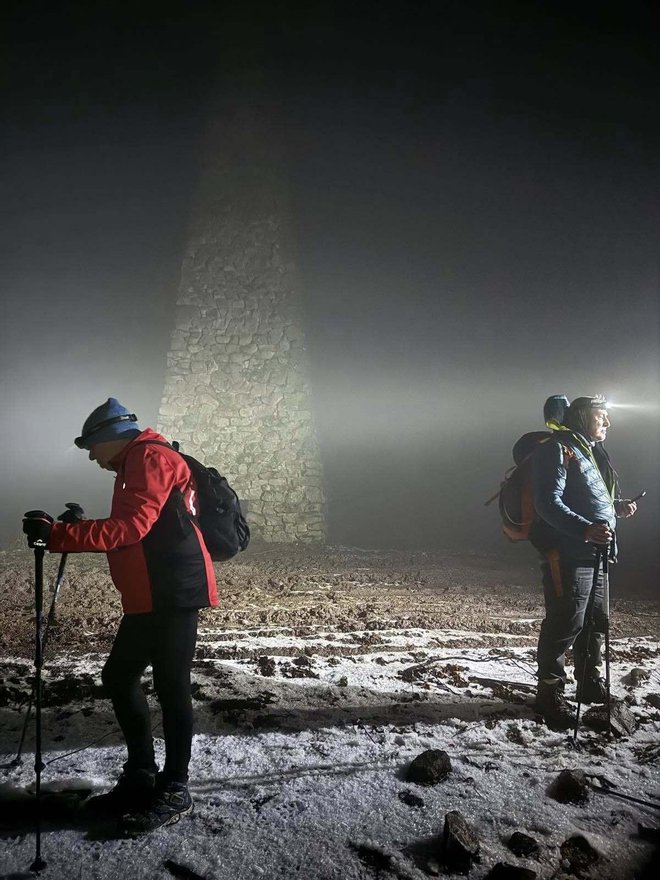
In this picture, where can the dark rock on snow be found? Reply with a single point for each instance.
(460, 844)
(429, 768)
(579, 854)
(266, 666)
(523, 845)
(570, 787)
(636, 677)
(653, 700)
(622, 720)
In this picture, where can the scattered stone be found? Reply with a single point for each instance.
(410, 798)
(523, 845)
(298, 670)
(579, 854)
(343, 682)
(505, 871)
(266, 666)
(302, 662)
(460, 844)
(429, 768)
(570, 787)
(622, 720)
(636, 677)
(653, 700)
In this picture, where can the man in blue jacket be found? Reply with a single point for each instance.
(576, 500)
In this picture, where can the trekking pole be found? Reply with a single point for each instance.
(44, 641)
(38, 864)
(74, 513)
(588, 616)
(606, 607)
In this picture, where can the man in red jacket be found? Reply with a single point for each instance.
(160, 565)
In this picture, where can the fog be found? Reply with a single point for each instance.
(476, 207)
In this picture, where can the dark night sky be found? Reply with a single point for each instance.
(477, 206)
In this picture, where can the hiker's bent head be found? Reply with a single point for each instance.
(106, 431)
(103, 453)
(589, 417)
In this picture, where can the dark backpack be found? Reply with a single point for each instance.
(219, 516)
(515, 496)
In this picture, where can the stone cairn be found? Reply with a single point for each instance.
(236, 391)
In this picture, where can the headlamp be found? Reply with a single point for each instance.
(82, 440)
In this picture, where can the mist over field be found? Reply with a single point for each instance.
(469, 242)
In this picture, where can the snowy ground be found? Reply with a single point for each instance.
(306, 730)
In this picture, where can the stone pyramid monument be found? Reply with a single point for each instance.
(237, 393)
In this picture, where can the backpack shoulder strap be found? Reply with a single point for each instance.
(174, 446)
(568, 454)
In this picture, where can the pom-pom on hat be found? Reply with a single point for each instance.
(110, 421)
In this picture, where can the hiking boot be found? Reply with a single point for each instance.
(171, 801)
(134, 791)
(594, 691)
(551, 703)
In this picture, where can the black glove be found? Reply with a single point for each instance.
(37, 526)
(73, 514)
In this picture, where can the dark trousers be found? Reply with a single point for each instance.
(566, 587)
(166, 641)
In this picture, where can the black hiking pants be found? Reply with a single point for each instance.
(567, 585)
(166, 642)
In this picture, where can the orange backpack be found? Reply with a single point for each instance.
(515, 495)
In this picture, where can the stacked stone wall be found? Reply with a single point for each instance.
(236, 391)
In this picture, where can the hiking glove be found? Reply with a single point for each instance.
(37, 525)
(73, 514)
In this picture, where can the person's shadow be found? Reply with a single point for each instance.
(59, 810)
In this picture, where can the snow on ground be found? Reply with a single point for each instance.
(300, 757)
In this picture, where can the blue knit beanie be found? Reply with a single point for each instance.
(110, 421)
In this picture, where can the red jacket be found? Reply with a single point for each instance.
(156, 554)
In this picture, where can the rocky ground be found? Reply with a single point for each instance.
(303, 589)
(319, 678)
